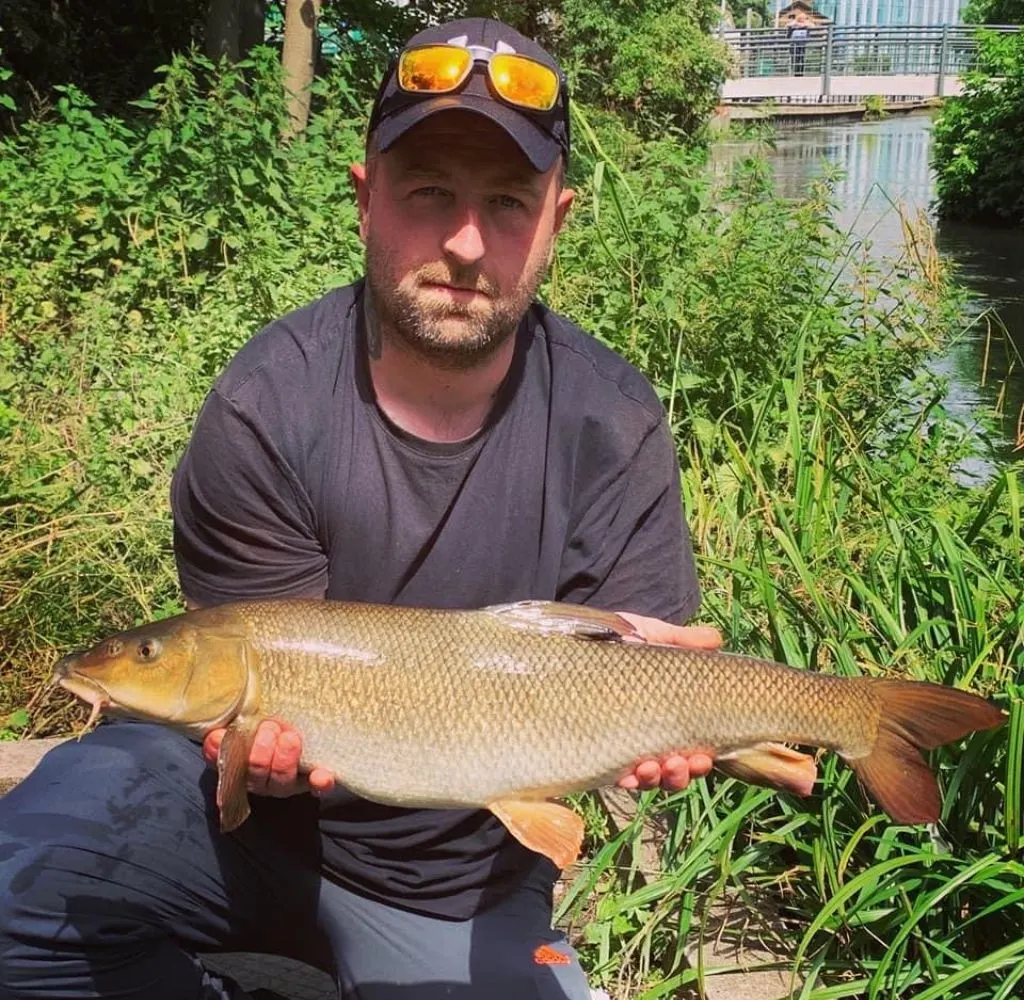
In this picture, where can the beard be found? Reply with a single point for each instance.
(450, 334)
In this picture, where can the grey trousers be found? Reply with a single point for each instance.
(113, 877)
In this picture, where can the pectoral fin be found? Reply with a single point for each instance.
(233, 772)
(545, 827)
(771, 764)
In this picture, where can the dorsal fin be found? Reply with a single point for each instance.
(565, 619)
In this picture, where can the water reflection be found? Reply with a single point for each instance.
(884, 164)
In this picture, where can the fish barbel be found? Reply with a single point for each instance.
(507, 707)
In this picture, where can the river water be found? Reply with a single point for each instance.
(888, 162)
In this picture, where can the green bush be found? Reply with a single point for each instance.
(142, 253)
(979, 137)
(655, 63)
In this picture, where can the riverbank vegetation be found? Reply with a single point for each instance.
(821, 477)
(978, 136)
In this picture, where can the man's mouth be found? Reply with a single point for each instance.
(461, 293)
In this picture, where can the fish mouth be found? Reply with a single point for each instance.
(92, 693)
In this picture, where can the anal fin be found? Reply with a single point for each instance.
(233, 772)
(548, 828)
(773, 765)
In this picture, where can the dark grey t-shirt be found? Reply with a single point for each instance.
(294, 483)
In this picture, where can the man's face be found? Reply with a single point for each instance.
(459, 229)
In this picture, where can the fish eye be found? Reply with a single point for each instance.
(114, 647)
(148, 650)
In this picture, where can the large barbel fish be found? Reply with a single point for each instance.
(507, 707)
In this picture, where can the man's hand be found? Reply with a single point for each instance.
(672, 771)
(274, 762)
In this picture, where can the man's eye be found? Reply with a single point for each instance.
(507, 201)
(430, 191)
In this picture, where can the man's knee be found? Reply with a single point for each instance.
(76, 924)
(98, 823)
(57, 908)
(102, 849)
(115, 776)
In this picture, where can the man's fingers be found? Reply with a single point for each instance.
(261, 757)
(211, 745)
(321, 781)
(648, 774)
(273, 761)
(673, 772)
(695, 637)
(697, 765)
(666, 634)
(283, 777)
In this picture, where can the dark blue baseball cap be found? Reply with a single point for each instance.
(541, 135)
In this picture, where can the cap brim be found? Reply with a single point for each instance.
(539, 146)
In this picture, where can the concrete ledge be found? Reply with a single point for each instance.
(19, 757)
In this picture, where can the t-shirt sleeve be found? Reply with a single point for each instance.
(244, 526)
(630, 549)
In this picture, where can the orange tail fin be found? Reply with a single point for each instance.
(917, 716)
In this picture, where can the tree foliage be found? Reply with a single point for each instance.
(654, 61)
(110, 49)
(994, 12)
(978, 138)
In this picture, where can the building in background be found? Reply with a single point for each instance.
(814, 14)
(876, 13)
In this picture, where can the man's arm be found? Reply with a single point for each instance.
(244, 527)
(629, 546)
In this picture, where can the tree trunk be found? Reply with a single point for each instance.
(222, 38)
(251, 19)
(298, 59)
(233, 27)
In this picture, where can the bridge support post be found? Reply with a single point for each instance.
(826, 69)
(940, 80)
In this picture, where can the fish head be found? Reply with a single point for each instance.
(173, 672)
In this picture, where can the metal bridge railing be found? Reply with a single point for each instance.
(940, 50)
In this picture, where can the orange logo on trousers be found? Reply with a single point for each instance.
(546, 955)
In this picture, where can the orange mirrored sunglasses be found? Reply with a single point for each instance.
(441, 69)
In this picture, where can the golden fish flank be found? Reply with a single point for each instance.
(506, 707)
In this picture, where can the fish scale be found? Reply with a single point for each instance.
(508, 706)
(553, 711)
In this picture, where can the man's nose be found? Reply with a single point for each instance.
(466, 242)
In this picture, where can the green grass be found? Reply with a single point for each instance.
(818, 468)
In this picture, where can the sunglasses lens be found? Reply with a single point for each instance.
(524, 82)
(433, 69)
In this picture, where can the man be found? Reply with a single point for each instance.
(798, 32)
(429, 436)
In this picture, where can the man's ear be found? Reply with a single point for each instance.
(565, 199)
(361, 182)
